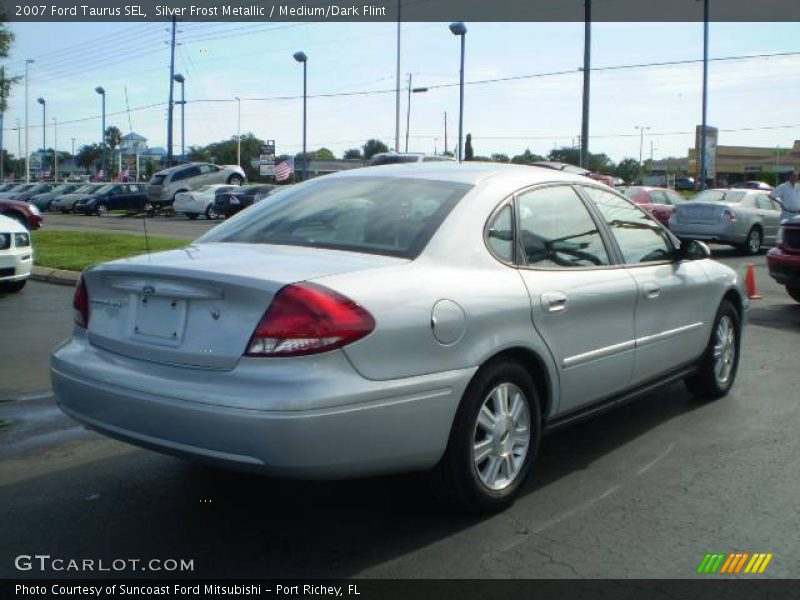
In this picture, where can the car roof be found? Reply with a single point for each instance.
(471, 173)
(8, 225)
(170, 170)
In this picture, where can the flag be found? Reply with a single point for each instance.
(284, 169)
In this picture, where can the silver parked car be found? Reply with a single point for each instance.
(164, 185)
(747, 219)
(412, 317)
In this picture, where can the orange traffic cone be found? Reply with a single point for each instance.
(750, 284)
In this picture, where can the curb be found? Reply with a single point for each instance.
(58, 276)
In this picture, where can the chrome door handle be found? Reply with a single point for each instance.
(554, 302)
(651, 290)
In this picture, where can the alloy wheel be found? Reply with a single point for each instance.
(724, 350)
(754, 241)
(502, 436)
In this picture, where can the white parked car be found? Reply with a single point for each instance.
(199, 201)
(16, 255)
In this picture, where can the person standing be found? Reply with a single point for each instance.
(788, 193)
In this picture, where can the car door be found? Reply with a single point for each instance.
(672, 315)
(136, 196)
(770, 216)
(208, 174)
(581, 305)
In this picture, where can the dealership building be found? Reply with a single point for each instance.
(731, 164)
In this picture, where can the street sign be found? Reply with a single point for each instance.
(266, 160)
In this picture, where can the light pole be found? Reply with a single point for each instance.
(302, 58)
(587, 71)
(416, 90)
(239, 131)
(460, 30)
(181, 79)
(19, 144)
(397, 84)
(42, 101)
(55, 150)
(641, 129)
(100, 90)
(27, 153)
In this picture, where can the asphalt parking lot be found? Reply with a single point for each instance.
(178, 226)
(643, 491)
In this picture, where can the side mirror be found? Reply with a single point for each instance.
(693, 250)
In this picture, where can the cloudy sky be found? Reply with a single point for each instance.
(754, 101)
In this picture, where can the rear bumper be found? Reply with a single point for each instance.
(784, 267)
(727, 233)
(362, 427)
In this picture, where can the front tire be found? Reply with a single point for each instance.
(12, 287)
(211, 213)
(793, 291)
(493, 440)
(720, 361)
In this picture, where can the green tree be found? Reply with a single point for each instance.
(373, 147)
(224, 153)
(627, 169)
(352, 154)
(499, 158)
(469, 153)
(598, 163)
(526, 157)
(89, 155)
(323, 154)
(113, 137)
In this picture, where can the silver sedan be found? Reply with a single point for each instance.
(433, 317)
(744, 218)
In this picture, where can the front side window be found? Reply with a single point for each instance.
(204, 169)
(639, 237)
(557, 231)
(500, 235)
(374, 215)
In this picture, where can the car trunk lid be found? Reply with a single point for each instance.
(198, 307)
(701, 212)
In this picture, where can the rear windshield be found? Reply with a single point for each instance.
(374, 215)
(719, 196)
(157, 179)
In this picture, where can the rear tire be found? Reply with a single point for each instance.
(211, 213)
(493, 441)
(12, 287)
(720, 361)
(755, 240)
(793, 291)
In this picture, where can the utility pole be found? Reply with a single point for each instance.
(397, 85)
(2, 116)
(445, 132)
(19, 145)
(27, 153)
(587, 69)
(705, 98)
(408, 110)
(171, 94)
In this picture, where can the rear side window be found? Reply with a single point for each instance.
(157, 179)
(5, 241)
(374, 215)
(640, 238)
(500, 235)
(557, 231)
(186, 173)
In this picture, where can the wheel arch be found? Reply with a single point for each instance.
(733, 296)
(532, 362)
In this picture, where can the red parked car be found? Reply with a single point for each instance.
(659, 202)
(784, 259)
(25, 213)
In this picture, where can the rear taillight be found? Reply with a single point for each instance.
(306, 318)
(80, 302)
(728, 215)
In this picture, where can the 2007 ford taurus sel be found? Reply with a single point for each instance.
(409, 317)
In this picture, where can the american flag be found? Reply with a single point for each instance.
(284, 170)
